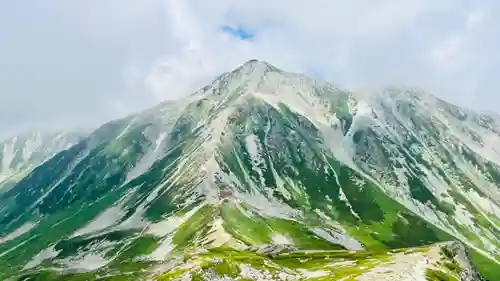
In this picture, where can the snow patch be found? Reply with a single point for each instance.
(281, 240)
(339, 238)
(252, 144)
(103, 221)
(165, 227)
(269, 207)
(314, 274)
(18, 232)
(31, 146)
(88, 262)
(485, 203)
(162, 251)
(159, 141)
(218, 235)
(7, 156)
(46, 254)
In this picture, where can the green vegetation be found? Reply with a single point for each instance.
(266, 152)
(257, 230)
(225, 268)
(488, 269)
(437, 275)
(48, 233)
(333, 265)
(195, 228)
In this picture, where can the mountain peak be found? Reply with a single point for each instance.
(254, 62)
(255, 66)
(261, 162)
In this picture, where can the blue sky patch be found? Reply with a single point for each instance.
(238, 31)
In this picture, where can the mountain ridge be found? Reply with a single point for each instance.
(261, 157)
(21, 153)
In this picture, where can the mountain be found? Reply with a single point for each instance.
(19, 155)
(266, 175)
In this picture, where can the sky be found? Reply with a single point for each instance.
(77, 64)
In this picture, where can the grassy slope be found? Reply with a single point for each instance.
(324, 265)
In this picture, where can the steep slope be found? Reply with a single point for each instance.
(259, 158)
(20, 154)
(438, 160)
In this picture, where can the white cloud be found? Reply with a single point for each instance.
(455, 53)
(356, 43)
(132, 54)
(297, 36)
(475, 17)
(448, 54)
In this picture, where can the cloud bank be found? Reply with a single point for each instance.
(80, 63)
